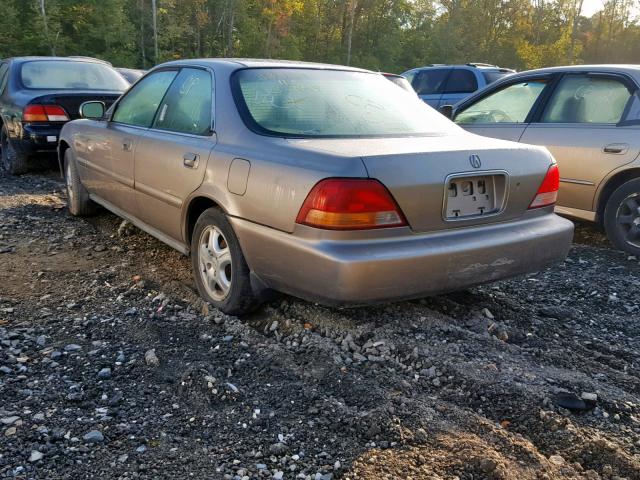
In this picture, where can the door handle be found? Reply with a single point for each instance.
(616, 148)
(190, 160)
(127, 143)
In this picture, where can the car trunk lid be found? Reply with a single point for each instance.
(450, 181)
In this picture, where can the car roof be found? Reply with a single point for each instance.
(69, 59)
(260, 63)
(480, 66)
(630, 69)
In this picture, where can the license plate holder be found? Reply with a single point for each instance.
(470, 196)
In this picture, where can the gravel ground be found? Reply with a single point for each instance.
(111, 367)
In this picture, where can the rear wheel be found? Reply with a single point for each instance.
(78, 200)
(13, 161)
(622, 217)
(220, 270)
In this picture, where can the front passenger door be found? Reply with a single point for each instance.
(502, 113)
(107, 160)
(172, 157)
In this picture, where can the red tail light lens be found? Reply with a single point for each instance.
(547, 194)
(44, 113)
(350, 204)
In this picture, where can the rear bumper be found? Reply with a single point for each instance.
(404, 265)
(37, 139)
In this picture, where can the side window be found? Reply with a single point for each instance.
(140, 104)
(410, 76)
(187, 106)
(4, 75)
(461, 81)
(431, 81)
(511, 104)
(586, 99)
(633, 110)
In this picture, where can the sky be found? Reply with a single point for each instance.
(589, 7)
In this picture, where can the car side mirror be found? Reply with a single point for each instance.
(447, 111)
(92, 110)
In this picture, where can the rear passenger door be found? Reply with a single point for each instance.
(461, 83)
(172, 157)
(429, 84)
(581, 126)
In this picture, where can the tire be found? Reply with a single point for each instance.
(622, 217)
(78, 201)
(219, 268)
(13, 162)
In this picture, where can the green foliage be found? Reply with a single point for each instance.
(388, 35)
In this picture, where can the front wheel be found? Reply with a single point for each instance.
(13, 162)
(622, 217)
(78, 201)
(220, 270)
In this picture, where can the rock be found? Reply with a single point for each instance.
(571, 402)
(9, 420)
(125, 229)
(72, 347)
(421, 435)
(99, 248)
(104, 374)
(5, 370)
(41, 340)
(278, 476)
(592, 397)
(10, 431)
(273, 328)
(278, 448)
(487, 313)
(488, 465)
(556, 460)
(94, 436)
(35, 456)
(151, 358)
(141, 449)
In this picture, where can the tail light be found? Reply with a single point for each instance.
(547, 194)
(350, 204)
(44, 113)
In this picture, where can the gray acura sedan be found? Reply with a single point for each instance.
(324, 182)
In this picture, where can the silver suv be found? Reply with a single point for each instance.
(440, 84)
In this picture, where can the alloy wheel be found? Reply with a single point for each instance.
(214, 261)
(628, 219)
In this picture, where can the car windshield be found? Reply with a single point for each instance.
(299, 102)
(67, 75)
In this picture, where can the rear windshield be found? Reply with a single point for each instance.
(493, 75)
(301, 102)
(63, 75)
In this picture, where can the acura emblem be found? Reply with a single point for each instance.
(474, 160)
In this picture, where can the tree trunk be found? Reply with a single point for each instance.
(574, 30)
(43, 11)
(352, 11)
(142, 53)
(154, 10)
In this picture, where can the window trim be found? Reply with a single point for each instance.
(551, 79)
(212, 122)
(176, 67)
(116, 105)
(623, 78)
